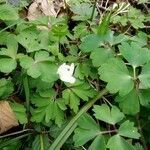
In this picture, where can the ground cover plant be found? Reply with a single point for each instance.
(74, 75)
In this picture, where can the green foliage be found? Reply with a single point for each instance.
(41, 66)
(131, 99)
(117, 142)
(104, 113)
(135, 54)
(108, 47)
(128, 130)
(73, 94)
(115, 70)
(20, 112)
(144, 77)
(47, 108)
(6, 88)
(82, 12)
(8, 12)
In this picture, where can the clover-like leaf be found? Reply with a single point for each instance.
(127, 129)
(8, 12)
(113, 71)
(104, 113)
(100, 56)
(41, 66)
(116, 142)
(32, 40)
(144, 96)
(144, 77)
(90, 43)
(20, 112)
(131, 99)
(8, 61)
(87, 130)
(6, 88)
(82, 11)
(134, 53)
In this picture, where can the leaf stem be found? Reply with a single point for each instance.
(69, 128)
(14, 133)
(93, 11)
(134, 73)
(27, 92)
(41, 142)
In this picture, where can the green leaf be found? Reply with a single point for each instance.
(32, 40)
(98, 142)
(47, 109)
(113, 71)
(144, 96)
(131, 99)
(82, 11)
(134, 53)
(104, 113)
(36, 145)
(20, 112)
(127, 129)
(90, 43)
(7, 12)
(83, 70)
(144, 77)
(7, 65)
(6, 88)
(87, 129)
(103, 27)
(60, 30)
(8, 61)
(118, 143)
(71, 99)
(73, 94)
(41, 66)
(100, 56)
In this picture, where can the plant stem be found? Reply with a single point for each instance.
(134, 73)
(72, 123)
(110, 131)
(14, 133)
(27, 92)
(41, 142)
(66, 137)
(93, 11)
(2, 145)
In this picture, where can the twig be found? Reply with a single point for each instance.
(14, 133)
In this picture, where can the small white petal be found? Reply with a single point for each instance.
(66, 73)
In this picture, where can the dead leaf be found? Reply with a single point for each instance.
(7, 117)
(41, 8)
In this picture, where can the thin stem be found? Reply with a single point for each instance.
(27, 92)
(41, 142)
(74, 119)
(93, 11)
(134, 73)
(105, 132)
(14, 133)
(13, 140)
(105, 99)
(58, 147)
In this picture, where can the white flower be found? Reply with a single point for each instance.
(66, 73)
